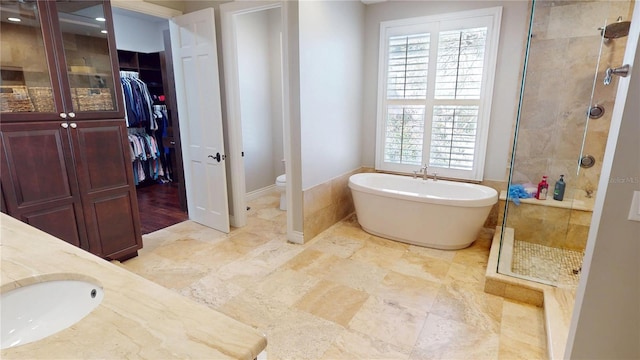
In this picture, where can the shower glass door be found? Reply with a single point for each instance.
(562, 128)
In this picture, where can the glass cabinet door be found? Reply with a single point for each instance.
(87, 55)
(25, 81)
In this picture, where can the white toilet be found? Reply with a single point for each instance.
(281, 186)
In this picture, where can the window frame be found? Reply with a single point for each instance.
(434, 24)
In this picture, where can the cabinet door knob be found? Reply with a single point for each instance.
(72, 114)
(63, 115)
(73, 125)
(64, 125)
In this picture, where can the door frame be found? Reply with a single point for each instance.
(228, 15)
(234, 142)
(142, 7)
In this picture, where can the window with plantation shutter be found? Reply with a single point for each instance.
(406, 80)
(460, 63)
(435, 85)
(407, 67)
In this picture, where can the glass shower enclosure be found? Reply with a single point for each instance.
(561, 130)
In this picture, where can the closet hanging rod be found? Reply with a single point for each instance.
(136, 131)
(129, 74)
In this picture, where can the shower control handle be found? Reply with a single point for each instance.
(621, 71)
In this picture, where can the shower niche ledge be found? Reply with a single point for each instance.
(578, 203)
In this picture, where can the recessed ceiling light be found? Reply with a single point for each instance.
(101, 19)
(103, 31)
(14, 19)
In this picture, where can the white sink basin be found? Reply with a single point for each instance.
(33, 312)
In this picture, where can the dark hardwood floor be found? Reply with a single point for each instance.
(159, 207)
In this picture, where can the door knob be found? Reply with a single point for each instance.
(218, 157)
(63, 115)
(64, 125)
(73, 125)
(72, 114)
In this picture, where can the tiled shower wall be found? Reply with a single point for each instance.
(560, 75)
(550, 226)
(563, 58)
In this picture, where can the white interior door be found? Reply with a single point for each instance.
(193, 43)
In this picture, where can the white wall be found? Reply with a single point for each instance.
(138, 32)
(515, 22)
(275, 70)
(261, 116)
(331, 57)
(606, 317)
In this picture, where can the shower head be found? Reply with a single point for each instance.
(616, 30)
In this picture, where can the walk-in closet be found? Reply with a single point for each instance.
(146, 76)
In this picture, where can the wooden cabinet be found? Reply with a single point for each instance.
(66, 165)
(39, 179)
(105, 181)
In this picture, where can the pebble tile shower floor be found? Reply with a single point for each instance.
(558, 266)
(345, 294)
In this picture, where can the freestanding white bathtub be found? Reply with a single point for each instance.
(438, 214)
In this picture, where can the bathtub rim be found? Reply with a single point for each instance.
(489, 200)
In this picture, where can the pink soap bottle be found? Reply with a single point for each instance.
(543, 188)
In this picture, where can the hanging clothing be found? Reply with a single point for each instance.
(137, 100)
(146, 123)
(145, 155)
(162, 121)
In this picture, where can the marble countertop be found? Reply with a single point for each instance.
(136, 319)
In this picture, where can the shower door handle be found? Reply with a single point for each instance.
(621, 71)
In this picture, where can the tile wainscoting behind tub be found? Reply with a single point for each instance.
(328, 203)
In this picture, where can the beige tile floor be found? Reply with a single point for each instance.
(346, 294)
